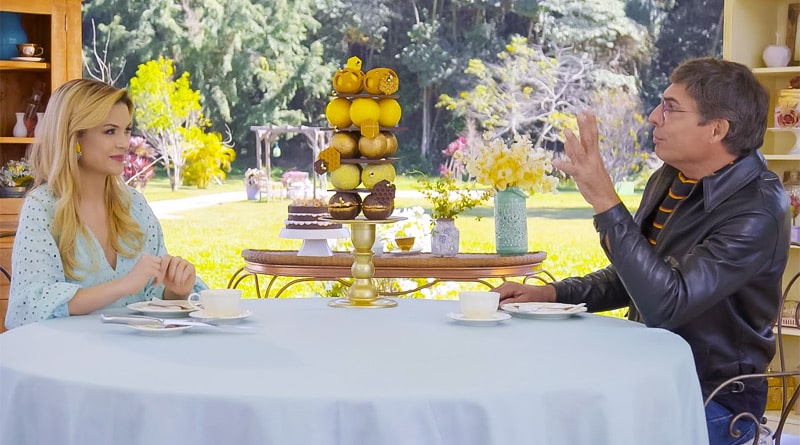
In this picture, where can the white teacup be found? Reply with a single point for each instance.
(217, 302)
(478, 304)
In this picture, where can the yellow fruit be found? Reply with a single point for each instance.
(348, 81)
(375, 173)
(372, 148)
(391, 143)
(364, 108)
(390, 112)
(338, 112)
(346, 144)
(346, 177)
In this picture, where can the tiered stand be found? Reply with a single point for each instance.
(363, 293)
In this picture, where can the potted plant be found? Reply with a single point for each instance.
(15, 178)
(253, 179)
(449, 198)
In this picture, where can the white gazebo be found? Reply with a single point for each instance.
(318, 139)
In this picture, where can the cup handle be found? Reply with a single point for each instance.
(191, 299)
(38, 52)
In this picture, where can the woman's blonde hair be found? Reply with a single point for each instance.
(75, 107)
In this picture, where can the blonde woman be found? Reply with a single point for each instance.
(86, 241)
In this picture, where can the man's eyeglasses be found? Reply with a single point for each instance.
(666, 109)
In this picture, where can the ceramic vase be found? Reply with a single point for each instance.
(444, 238)
(252, 190)
(11, 34)
(510, 222)
(776, 55)
(20, 130)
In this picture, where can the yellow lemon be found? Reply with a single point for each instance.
(364, 108)
(390, 112)
(338, 112)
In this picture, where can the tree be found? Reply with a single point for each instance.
(254, 62)
(528, 91)
(167, 111)
(621, 128)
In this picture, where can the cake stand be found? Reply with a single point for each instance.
(363, 293)
(315, 241)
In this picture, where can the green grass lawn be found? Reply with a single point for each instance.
(213, 237)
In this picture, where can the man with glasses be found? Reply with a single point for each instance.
(705, 252)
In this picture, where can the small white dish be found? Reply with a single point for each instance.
(496, 318)
(405, 252)
(160, 331)
(145, 308)
(28, 59)
(546, 311)
(200, 315)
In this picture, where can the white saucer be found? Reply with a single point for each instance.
(222, 320)
(497, 318)
(28, 59)
(404, 252)
(145, 308)
(160, 331)
(547, 311)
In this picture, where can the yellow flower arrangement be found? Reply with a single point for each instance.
(521, 165)
(450, 198)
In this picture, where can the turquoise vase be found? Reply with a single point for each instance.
(11, 34)
(510, 222)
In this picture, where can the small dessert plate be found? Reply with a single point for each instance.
(547, 311)
(161, 310)
(200, 315)
(157, 330)
(28, 59)
(404, 252)
(496, 318)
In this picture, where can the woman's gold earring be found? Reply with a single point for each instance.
(78, 153)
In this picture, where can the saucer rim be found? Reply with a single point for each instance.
(27, 59)
(240, 316)
(497, 318)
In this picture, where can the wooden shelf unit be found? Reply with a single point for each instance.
(56, 26)
(749, 27)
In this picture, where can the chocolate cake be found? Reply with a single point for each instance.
(307, 214)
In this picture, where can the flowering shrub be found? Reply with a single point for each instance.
(498, 165)
(16, 173)
(139, 163)
(452, 167)
(450, 198)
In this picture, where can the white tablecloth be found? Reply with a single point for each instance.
(311, 374)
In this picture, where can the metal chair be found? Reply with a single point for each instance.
(736, 384)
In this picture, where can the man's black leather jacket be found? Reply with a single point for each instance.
(713, 277)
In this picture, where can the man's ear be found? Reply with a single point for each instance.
(719, 129)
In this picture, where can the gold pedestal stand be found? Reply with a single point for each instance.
(363, 293)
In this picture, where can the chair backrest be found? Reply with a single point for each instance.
(787, 403)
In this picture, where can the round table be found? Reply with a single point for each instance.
(311, 374)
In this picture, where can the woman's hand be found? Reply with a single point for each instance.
(147, 267)
(512, 292)
(178, 276)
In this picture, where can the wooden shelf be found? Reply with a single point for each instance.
(786, 157)
(777, 72)
(19, 65)
(13, 140)
(788, 330)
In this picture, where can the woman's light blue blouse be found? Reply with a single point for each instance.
(39, 288)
